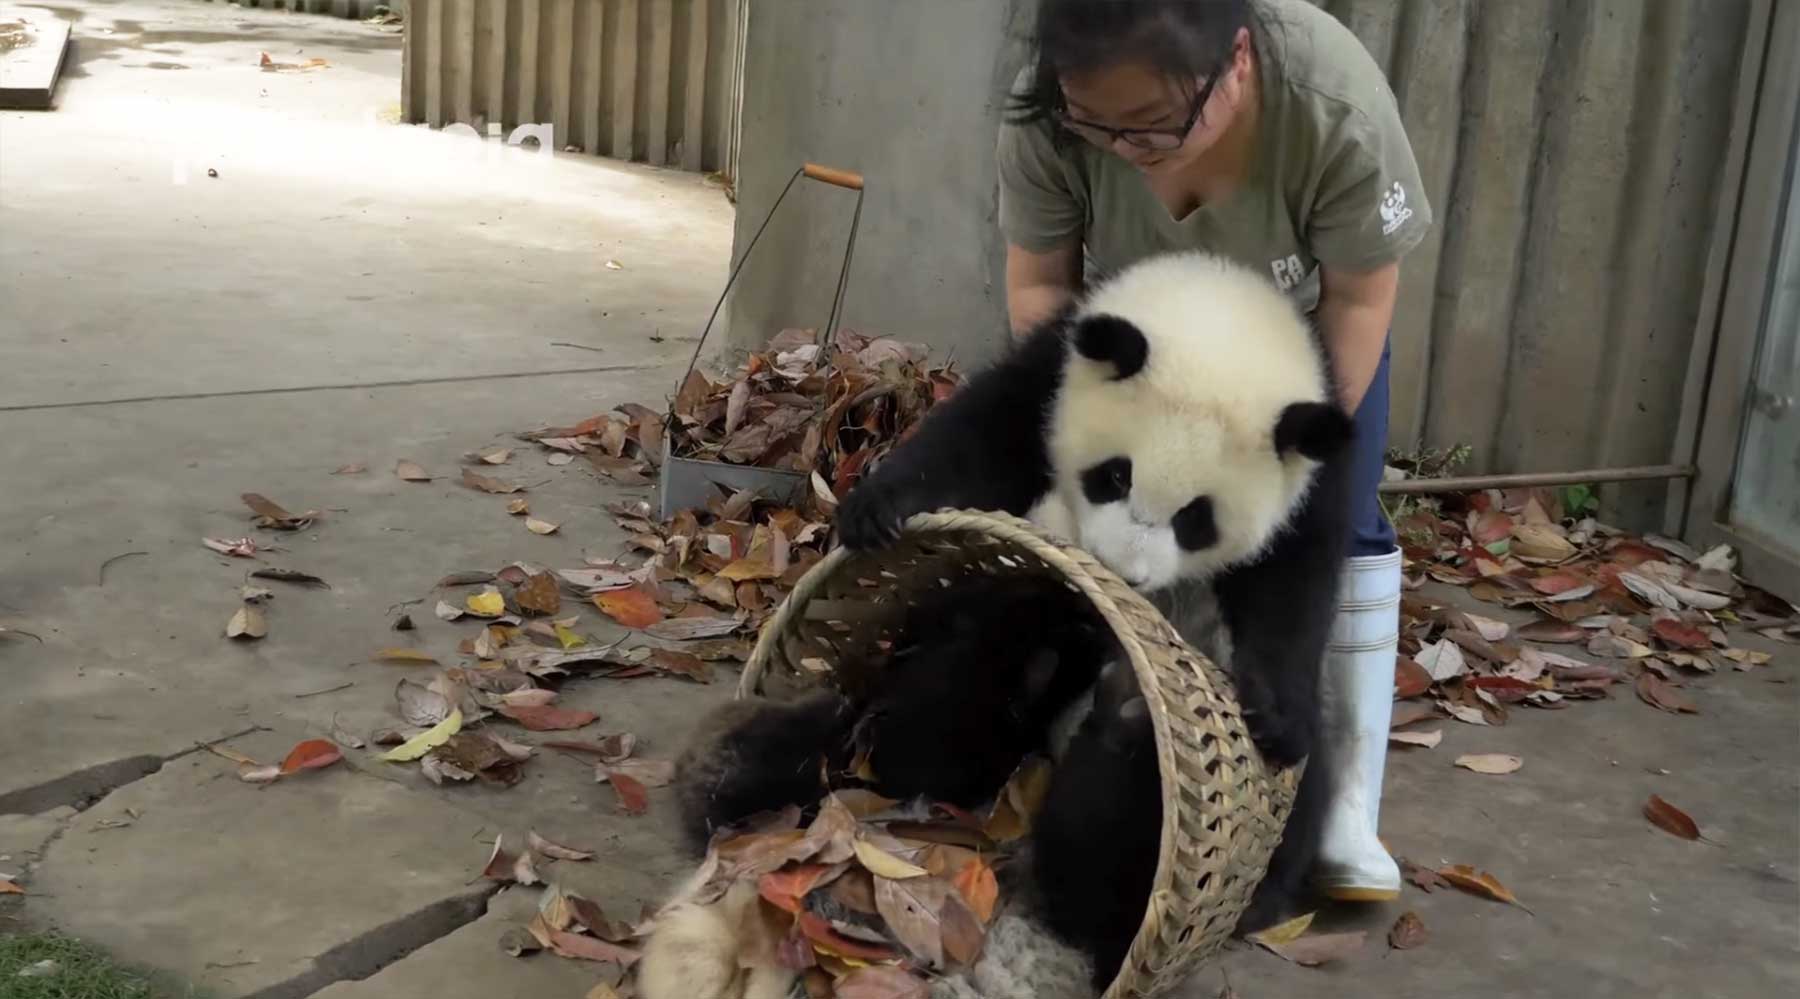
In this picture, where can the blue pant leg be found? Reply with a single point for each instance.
(1370, 531)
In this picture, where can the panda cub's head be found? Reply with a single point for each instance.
(1194, 411)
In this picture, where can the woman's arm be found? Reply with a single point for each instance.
(1355, 310)
(1038, 284)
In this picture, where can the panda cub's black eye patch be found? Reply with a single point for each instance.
(1195, 527)
(1107, 482)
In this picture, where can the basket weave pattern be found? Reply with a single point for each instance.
(1223, 810)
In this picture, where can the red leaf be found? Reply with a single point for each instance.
(311, 755)
(633, 798)
(632, 606)
(1410, 679)
(1492, 526)
(821, 934)
(784, 889)
(1557, 582)
(1656, 692)
(1679, 634)
(1671, 819)
(545, 717)
(1553, 632)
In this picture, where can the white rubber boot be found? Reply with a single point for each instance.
(1357, 691)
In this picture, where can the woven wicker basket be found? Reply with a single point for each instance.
(1223, 809)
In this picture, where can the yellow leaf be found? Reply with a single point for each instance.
(568, 638)
(417, 656)
(488, 603)
(1282, 933)
(426, 741)
(885, 864)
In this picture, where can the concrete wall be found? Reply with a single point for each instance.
(650, 80)
(849, 83)
(1572, 149)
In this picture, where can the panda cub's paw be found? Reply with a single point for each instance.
(871, 516)
(1283, 737)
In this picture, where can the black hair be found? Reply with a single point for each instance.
(1183, 39)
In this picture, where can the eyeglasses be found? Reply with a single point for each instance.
(1158, 139)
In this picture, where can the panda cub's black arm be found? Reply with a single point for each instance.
(1279, 611)
(983, 448)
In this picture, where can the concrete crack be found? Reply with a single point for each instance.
(367, 953)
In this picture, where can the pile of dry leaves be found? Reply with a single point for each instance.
(1646, 611)
(869, 898)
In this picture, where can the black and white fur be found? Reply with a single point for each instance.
(1179, 424)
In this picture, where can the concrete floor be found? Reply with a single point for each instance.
(350, 291)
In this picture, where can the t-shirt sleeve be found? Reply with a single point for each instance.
(1369, 206)
(1039, 208)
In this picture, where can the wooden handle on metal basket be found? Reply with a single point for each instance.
(850, 180)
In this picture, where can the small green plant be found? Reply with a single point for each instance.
(54, 966)
(1578, 501)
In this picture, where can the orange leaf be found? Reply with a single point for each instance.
(1671, 819)
(631, 606)
(785, 889)
(1679, 634)
(976, 884)
(1410, 679)
(311, 755)
(832, 942)
(633, 798)
(1478, 883)
(8, 888)
(1557, 582)
(546, 718)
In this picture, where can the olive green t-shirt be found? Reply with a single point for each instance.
(1332, 178)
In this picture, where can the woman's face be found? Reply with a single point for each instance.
(1133, 95)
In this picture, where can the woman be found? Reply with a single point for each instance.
(1261, 130)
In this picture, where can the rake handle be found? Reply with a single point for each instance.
(849, 180)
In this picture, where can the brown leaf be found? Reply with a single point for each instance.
(1426, 739)
(270, 514)
(1656, 692)
(419, 705)
(406, 657)
(687, 628)
(632, 606)
(248, 622)
(1408, 932)
(1410, 679)
(1407, 712)
(489, 484)
(412, 472)
(1679, 634)
(586, 948)
(633, 798)
(540, 845)
(682, 664)
(1553, 632)
(546, 718)
(1489, 763)
(881, 982)
(473, 578)
(290, 576)
(1424, 878)
(910, 908)
(610, 749)
(1615, 647)
(1671, 819)
(1312, 951)
(650, 773)
(539, 595)
(1478, 883)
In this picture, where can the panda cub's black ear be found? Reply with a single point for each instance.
(1313, 429)
(1114, 341)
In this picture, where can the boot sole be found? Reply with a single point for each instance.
(1353, 894)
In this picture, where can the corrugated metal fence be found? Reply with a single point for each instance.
(1573, 150)
(651, 80)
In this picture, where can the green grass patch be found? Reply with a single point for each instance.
(82, 971)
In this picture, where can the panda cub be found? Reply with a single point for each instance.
(1179, 423)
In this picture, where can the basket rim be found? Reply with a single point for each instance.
(1052, 551)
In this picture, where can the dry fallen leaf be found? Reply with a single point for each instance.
(633, 798)
(1442, 660)
(311, 755)
(518, 507)
(540, 845)
(406, 657)
(632, 607)
(976, 883)
(539, 595)
(248, 622)
(489, 484)
(545, 718)
(681, 629)
(1426, 739)
(1310, 952)
(1478, 883)
(426, 741)
(883, 864)
(290, 576)
(271, 514)
(1489, 763)
(1679, 634)
(1408, 932)
(354, 468)
(1424, 878)
(1656, 692)
(1671, 819)
(497, 456)
(242, 547)
(487, 603)
(911, 910)
(1283, 932)
(537, 526)
(412, 472)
